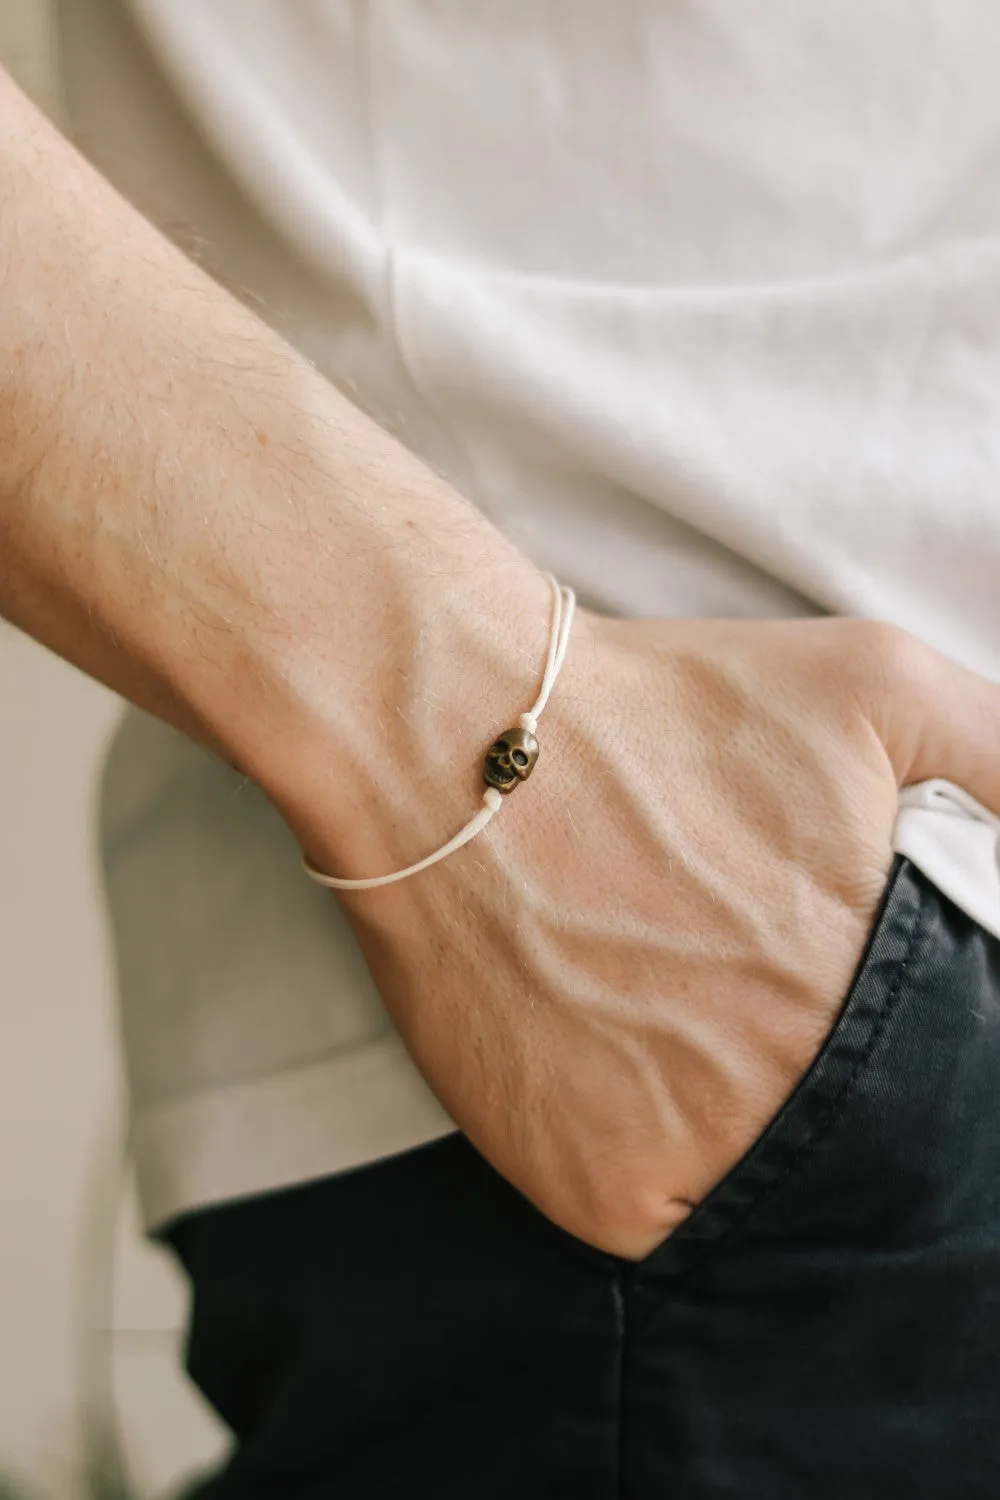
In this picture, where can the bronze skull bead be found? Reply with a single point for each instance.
(510, 759)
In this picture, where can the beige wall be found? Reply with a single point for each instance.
(28, 47)
(60, 1208)
(58, 1075)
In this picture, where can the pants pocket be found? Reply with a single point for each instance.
(827, 1322)
(817, 1110)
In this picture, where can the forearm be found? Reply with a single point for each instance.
(191, 513)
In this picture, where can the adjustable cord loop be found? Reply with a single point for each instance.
(509, 761)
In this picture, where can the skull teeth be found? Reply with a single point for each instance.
(509, 759)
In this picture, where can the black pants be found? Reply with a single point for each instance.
(825, 1326)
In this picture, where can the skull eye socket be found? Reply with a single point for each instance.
(501, 746)
(519, 758)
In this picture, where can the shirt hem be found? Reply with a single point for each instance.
(260, 1135)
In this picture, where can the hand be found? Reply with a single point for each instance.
(614, 990)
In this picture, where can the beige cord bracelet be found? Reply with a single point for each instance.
(509, 760)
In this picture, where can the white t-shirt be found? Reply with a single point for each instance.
(700, 302)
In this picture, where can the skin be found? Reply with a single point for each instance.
(616, 987)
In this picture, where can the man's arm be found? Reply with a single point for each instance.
(191, 513)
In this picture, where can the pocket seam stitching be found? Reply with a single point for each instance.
(836, 1106)
(701, 1251)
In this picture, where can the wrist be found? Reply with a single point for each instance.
(374, 752)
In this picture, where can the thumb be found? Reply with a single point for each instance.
(937, 718)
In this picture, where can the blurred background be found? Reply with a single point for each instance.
(93, 1400)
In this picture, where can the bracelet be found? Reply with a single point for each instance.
(510, 759)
